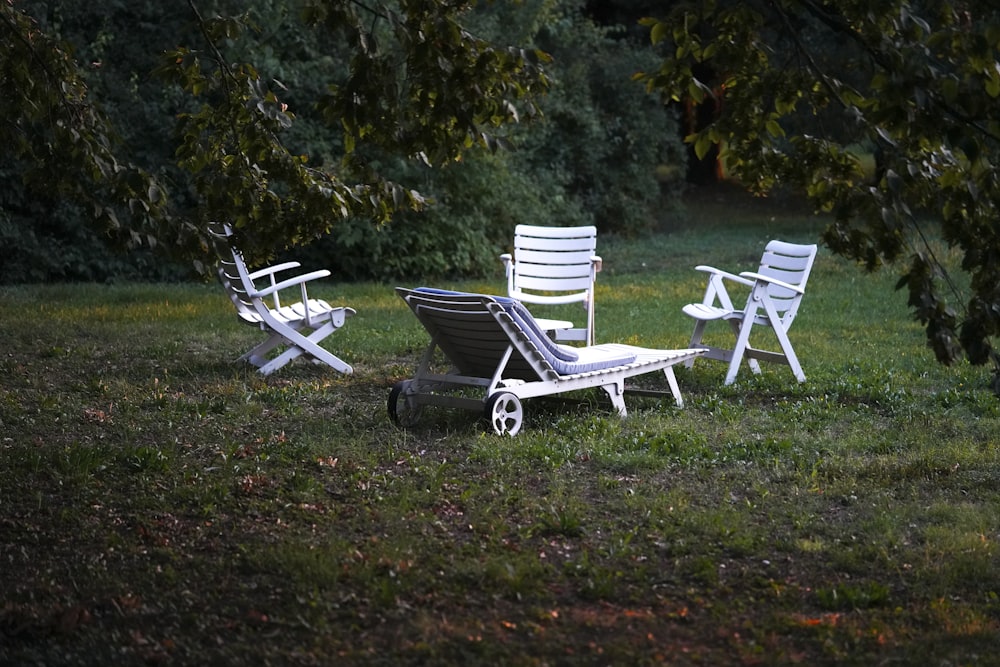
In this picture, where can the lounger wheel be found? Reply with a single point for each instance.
(505, 413)
(401, 411)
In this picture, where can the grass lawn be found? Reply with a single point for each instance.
(161, 504)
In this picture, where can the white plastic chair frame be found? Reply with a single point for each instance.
(554, 266)
(776, 291)
(299, 327)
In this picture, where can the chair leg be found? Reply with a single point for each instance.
(786, 347)
(674, 389)
(696, 337)
(258, 355)
(335, 362)
(751, 361)
(616, 390)
(300, 344)
(274, 364)
(742, 338)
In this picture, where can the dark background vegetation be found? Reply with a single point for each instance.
(605, 151)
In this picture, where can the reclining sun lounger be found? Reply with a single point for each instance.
(495, 347)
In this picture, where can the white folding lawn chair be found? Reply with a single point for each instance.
(298, 327)
(776, 290)
(555, 266)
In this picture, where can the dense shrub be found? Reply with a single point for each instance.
(593, 158)
(45, 239)
(476, 205)
(603, 130)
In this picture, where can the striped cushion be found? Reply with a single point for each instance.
(565, 360)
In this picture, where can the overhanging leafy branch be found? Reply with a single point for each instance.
(914, 85)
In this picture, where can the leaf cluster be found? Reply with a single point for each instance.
(376, 133)
(417, 84)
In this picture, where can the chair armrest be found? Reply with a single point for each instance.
(598, 263)
(772, 281)
(271, 270)
(291, 282)
(724, 274)
(508, 270)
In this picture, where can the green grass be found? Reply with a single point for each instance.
(161, 504)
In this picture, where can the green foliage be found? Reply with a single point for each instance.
(476, 204)
(435, 106)
(804, 83)
(603, 138)
(49, 241)
(590, 158)
(61, 146)
(401, 94)
(298, 121)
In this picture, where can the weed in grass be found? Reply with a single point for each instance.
(592, 580)
(703, 570)
(678, 445)
(559, 519)
(150, 459)
(513, 576)
(852, 597)
(78, 462)
(204, 494)
(302, 487)
(29, 461)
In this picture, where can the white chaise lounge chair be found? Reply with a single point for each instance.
(496, 346)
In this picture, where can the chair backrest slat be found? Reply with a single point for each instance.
(569, 233)
(790, 263)
(554, 283)
(535, 255)
(234, 275)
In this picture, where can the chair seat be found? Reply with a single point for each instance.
(700, 311)
(293, 314)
